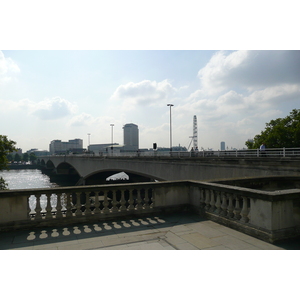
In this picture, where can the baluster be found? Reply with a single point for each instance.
(230, 207)
(97, 203)
(202, 198)
(212, 201)
(87, 211)
(69, 206)
(114, 208)
(130, 200)
(122, 201)
(48, 207)
(58, 206)
(237, 209)
(207, 200)
(244, 212)
(152, 198)
(38, 209)
(146, 200)
(105, 203)
(224, 205)
(29, 211)
(139, 201)
(218, 204)
(78, 211)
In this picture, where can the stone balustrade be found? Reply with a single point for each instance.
(267, 215)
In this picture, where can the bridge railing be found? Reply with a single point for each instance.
(247, 153)
(264, 214)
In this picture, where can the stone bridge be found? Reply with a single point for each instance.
(89, 170)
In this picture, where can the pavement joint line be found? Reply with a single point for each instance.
(127, 243)
(172, 245)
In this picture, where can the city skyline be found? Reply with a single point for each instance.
(69, 94)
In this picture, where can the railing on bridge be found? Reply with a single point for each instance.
(247, 153)
(264, 214)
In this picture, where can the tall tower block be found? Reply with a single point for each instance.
(195, 133)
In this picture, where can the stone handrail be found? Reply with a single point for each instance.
(267, 215)
(25, 208)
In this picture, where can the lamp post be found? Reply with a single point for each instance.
(112, 137)
(170, 127)
(88, 138)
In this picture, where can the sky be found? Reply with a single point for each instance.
(61, 94)
(64, 78)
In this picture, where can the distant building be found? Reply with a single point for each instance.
(38, 152)
(222, 146)
(19, 151)
(131, 137)
(102, 148)
(59, 147)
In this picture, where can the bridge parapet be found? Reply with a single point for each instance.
(176, 168)
(270, 216)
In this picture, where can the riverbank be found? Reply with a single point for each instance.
(22, 167)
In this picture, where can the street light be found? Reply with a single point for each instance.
(170, 127)
(88, 138)
(112, 137)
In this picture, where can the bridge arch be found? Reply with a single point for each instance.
(99, 177)
(66, 169)
(50, 164)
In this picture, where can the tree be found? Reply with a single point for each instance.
(279, 133)
(25, 157)
(17, 157)
(6, 147)
(32, 157)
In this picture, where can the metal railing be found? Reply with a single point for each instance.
(272, 152)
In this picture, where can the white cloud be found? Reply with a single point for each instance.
(48, 109)
(54, 108)
(81, 120)
(146, 93)
(250, 70)
(8, 68)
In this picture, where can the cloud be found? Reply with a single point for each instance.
(145, 93)
(52, 109)
(250, 70)
(48, 109)
(8, 68)
(83, 119)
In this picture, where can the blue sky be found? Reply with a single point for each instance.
(57, 93)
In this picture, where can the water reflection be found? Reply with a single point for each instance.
(26, 179)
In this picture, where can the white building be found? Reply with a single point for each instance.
(103, 148)
(59, 147)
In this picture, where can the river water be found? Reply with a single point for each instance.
(30, 179)
(26, 179)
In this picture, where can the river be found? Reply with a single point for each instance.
(26, 179)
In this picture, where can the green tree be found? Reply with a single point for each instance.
(6, 147)
(279, 133)
(25, 156)
(32, 157)
(17, 157)
(9, 157)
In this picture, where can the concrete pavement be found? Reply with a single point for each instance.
(182, 231)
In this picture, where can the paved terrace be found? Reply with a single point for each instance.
(180, 231)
